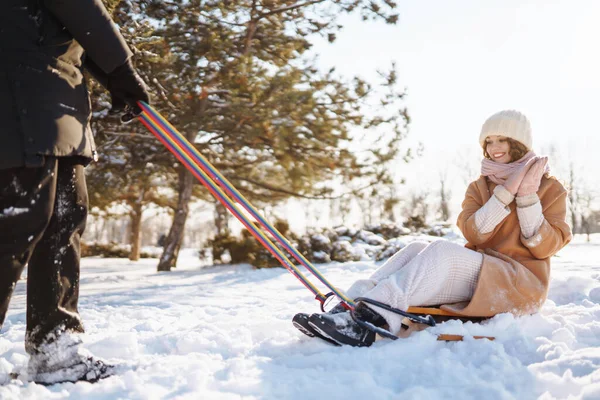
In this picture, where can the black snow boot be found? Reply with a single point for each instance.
(300, 322)
(83, 368)
(342, 328)
(64, 360)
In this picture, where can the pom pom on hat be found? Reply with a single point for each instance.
(509, 123)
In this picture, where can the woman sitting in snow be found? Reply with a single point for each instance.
(513, 218)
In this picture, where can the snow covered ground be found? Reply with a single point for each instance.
(225, 333)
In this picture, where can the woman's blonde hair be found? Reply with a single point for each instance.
(517, 150)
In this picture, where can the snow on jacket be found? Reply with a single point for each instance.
(515, 273)
(44, 102)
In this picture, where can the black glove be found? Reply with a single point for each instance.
(126, 89)
(100, 76)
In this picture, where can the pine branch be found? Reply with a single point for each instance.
(280, 190)
(275, 189)
(290, 7)
(222, 21)
(128, 134)
(163, 93)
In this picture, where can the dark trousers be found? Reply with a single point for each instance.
(43, 213)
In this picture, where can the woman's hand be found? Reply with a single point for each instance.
(513, 182)
(531, 182)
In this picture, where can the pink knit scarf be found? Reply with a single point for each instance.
(498, 172)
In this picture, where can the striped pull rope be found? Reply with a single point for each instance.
(166, 140)
(181, 143)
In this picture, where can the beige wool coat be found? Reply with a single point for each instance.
(515, 273)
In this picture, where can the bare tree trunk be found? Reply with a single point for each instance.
(585, 227)
(333, 209)
(102, 235)
(97, 230)
(168, 259)
(112, 236)
(368, 209)
(388, 206)
(306, 213)
(221, 219)
(174, 239)
(572, 199)
(136, 231)
(345, 208)
(125, 229)
(317, 215)
(444, 195)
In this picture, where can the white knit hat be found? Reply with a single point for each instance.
(509, 123)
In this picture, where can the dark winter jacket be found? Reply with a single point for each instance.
(44, 102)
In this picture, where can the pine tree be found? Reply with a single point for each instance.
(132, 166)
(236, 79)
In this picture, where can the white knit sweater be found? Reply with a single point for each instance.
(529, 212)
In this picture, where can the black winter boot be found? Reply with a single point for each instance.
(367, 314)
(300, 322)
(62, 359)
(342, 328)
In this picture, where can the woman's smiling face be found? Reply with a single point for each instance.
(498, 148)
